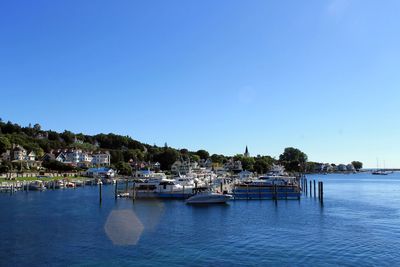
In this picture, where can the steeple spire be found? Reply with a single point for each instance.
(246, 152)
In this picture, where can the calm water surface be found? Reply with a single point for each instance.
(359, 225)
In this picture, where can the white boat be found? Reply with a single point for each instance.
(37, 186)
(166, 188)
(208, 198)
(186, 181)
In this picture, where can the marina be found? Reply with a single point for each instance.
(77, 230)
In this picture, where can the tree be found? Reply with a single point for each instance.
(220, 159)
(203, 154)
(123, 168)
(68, 137)
(116, 156)
(247, 162)
(310, 167)
(293, 159)
(37, 127)
(5, 166)
(195, 157)
(357, 165)
(166, 158)
(57, 166)
(263, 164)
(4, 144)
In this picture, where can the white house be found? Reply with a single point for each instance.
(342, 168)
(101, 159)
(19, 153)
(183, 167)
(232, 165)
(206, 163)
(61, 157)
(100, 172)
(31, 156)
(351, 168)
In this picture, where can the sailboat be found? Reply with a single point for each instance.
(378, 171)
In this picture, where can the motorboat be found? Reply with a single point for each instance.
(186, 181)
(69, 185)
(208, 198)
(166, 188)
(37, 186)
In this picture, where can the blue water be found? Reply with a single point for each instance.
(359, 225)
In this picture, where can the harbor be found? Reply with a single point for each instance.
(276, 185)
(79, 231)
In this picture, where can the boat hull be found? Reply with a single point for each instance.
(266, 192)
(207, 199)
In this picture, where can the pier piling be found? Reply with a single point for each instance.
(100, 193)
(322, 192)
(315, 195)
(319, 190)
(116, 189)
(306, 186)
(310, 188)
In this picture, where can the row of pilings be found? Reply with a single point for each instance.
(312, 188)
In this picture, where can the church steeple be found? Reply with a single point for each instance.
(246, 153)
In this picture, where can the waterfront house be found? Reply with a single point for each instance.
(342, 167)
(19, 153)
(157, 166)
(206, 163)
(31, 156)
(183, 166)
(61, 157)
(350, 168)
(234, 166)
(101, 159)
(102, 172)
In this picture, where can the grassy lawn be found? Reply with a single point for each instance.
(20, 179)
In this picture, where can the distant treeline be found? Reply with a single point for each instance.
(125, 148)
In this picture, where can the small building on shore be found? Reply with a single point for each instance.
(102, 172)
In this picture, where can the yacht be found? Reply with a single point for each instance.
(268, 187)
(37, 186)
(208, 198)
(164, 188)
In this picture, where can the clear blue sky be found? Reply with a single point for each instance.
(322, 76)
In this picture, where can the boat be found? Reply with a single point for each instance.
(380, 172)
(37, 186)
(208, 198)
(79, 183)
(164, 188)
(69, 185)
(124, 195)
(58, 184)
(268, 187)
